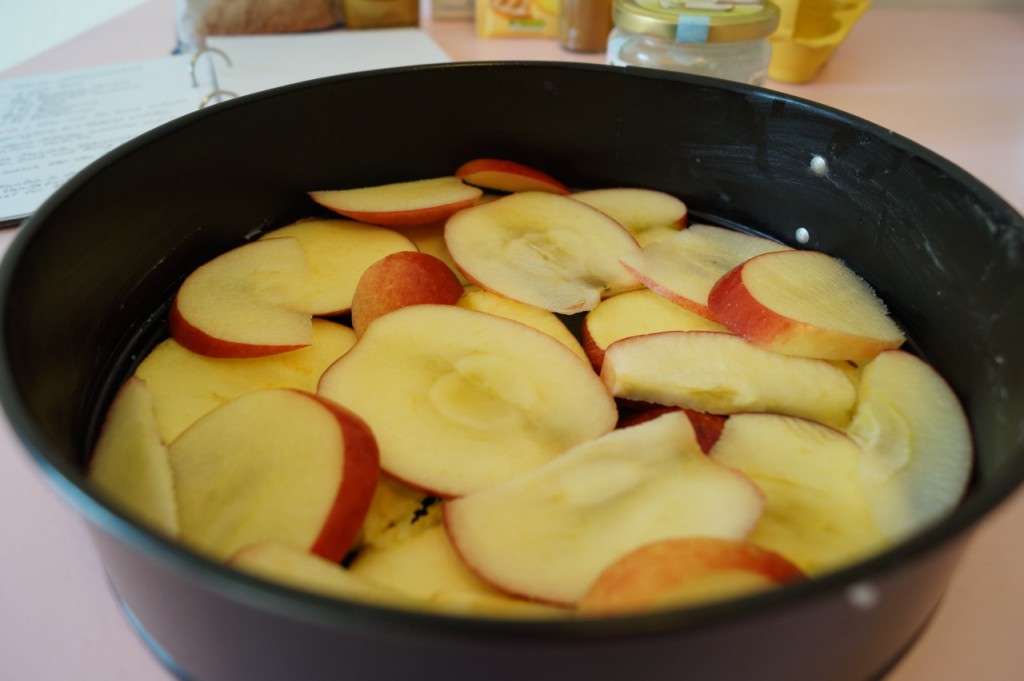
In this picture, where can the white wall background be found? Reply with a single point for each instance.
(28, 27)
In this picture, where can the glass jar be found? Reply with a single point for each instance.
(717, 38)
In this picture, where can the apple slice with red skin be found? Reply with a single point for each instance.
(274, 465)
(248, 302)
(397, 204)
(129, 464)
(186, 385)
(918, 451)
(685, 571)
(338, 251)
(720, 373)
(804, 303)
(649, 215)
(547, 534)
(816, 511)
(636, 313)
(707, 427)
(488, 396)
(401, 279)
(542, 249)
(508, 176)
(685, 266)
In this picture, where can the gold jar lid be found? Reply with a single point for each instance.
(697, 21)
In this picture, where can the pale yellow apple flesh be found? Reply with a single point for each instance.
(722, 374)
(804, 303)
(542, 320)
(707, 427)
(421, 566)
(337, 252)
(427, 568)
(396, 514)
(685, 266)
(548, 533)
(636, 313)
(129, 465)
(279, 465)
(401, 279)
(918, 451)
(649, 215)
(685, 571)
(816, 512)
(186, 385)
(475, 400)
(248, 302)
(429, 238)
(542, 249)
(284, 564)
(398, 204)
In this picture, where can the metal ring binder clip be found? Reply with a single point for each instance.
(218, 93)
(216, 96)
(195, 60)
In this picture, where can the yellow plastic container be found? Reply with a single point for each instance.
(809, 32)
(517, 18)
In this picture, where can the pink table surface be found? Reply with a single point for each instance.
(950, 80)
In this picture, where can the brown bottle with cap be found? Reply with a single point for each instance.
(583, 25)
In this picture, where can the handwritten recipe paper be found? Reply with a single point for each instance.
(52, 126)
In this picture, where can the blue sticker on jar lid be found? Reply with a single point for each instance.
(692, 28)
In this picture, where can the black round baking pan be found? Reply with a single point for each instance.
(85, 286)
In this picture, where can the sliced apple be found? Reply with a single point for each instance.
(401, 279)
(649, 215)
(186, 385)
(636, 313)
(129, 464)
(279, 465)
(475, 604)
(508, 176)
(398, 204)
(918, 451)
(426, 568)
(685, 571)
(707, 427)
(684, 267)
(337, 252)
(248, 302)
(548, 533)
(542, 320)
(284, 564)
(397, 513)
(461, 399)
(816, 513)
(542, 249)
(421, 566)
(804, 303)
(721, 373)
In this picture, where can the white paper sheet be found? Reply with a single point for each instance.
(52, 126)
